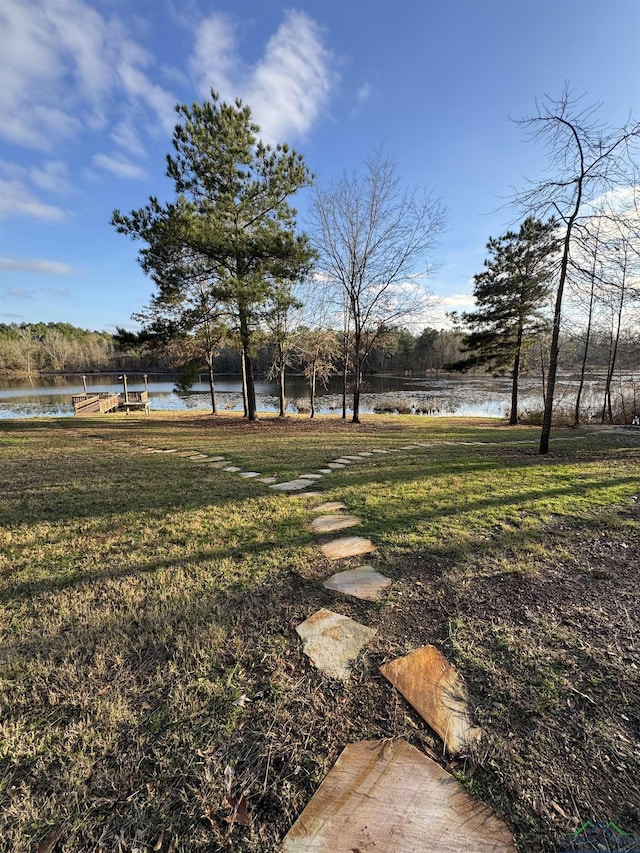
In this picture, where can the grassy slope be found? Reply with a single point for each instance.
(148, 609)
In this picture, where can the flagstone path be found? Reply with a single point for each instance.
(384, 795)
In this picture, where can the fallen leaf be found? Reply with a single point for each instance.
(560, 810)
(49, 843)
(229, 773)
(158, 845)
(240, 814)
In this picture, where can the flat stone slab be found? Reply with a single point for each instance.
(325, 470)
(334, 466)
(185, 453)
(329, 506)
(333, 641)
(268, 480)
(212, 458)
(363, 582)
(354, 458)
(436, 690)
(377, 450)
(327, 523)
(347, 546)
(248, 474)
(290, 485)
(365, 453)
(343, 461)
(232, 469)
(310, 476)
(387, 797)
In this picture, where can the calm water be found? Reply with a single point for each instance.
(441, 395)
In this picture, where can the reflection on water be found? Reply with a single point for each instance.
(435, 395)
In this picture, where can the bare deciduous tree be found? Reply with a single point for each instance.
(585, 161)
(375, 241)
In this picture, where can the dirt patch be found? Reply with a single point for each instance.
(552, 660)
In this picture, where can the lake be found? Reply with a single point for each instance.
(442, 394)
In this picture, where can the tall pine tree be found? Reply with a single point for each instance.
(509, 294)
(230, 225)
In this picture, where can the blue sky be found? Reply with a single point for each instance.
(87, 89)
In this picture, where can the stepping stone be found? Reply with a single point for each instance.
(333, 641)
(329, 506)
(343, 461)
(198, 456)
(388, 797)
(210, 464)
(232, 469)
(310, 476)
(363, 582)
(268, 480)
(348, 546)
(353, 458)
(248, 474)
(436, 690)
(325, 470)
(290, 485)
(333, 466)
(214, 459)
(365, 453)
(327, 523)
(185, 453)
(379, 451)
(172, 450)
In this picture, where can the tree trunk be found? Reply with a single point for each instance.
(555, 335)
(313, 391)
(513, 415)
(345, 363)
(357, 388)
(251, 412)
(245, 398)
(281, 389)
(212, 387)
(583, 366)
(614, 354)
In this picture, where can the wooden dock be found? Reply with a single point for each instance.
(100, 403)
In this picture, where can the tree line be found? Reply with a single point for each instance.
(32, 348)
(54, 347)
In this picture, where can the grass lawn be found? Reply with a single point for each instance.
(148, 607)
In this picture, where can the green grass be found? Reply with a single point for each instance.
(148, 608)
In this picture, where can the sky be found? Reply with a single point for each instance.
(88, 90)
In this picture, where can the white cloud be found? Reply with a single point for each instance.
(286, 90)
(125, 136)
(118, 165)
(37, 265)
(16, 199)
(457, 300)
(364, 93)
(66, 67)
(214, 61)
(52, 176)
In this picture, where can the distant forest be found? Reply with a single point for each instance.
(31, 348)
